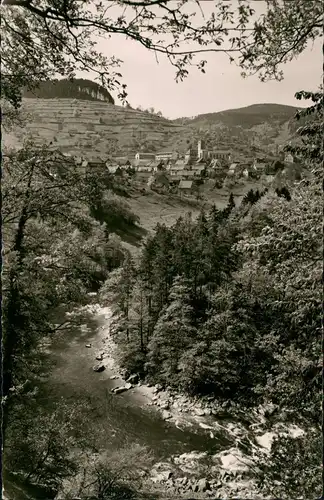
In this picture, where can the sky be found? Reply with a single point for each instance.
(152, 84)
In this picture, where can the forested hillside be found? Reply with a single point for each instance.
(78, 88)
(247, 117)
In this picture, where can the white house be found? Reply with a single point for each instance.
(145, 156)
(289, 158)
(168, 155)
(232, 169)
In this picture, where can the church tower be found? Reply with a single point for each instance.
(200, 149)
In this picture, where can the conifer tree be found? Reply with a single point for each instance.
(172, 335)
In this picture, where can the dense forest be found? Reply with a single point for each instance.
(215, 306)
(78, 88)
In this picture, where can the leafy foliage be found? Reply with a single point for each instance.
(294, 481)
(62, 39)
(51, 240)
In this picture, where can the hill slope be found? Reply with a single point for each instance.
(89, 127)
(260, 125)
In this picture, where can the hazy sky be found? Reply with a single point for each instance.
(152, 84)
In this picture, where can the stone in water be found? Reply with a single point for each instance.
(98, 368)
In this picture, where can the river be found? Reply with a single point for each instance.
(114, 420)
(126, 417)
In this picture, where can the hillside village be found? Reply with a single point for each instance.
(186, 174)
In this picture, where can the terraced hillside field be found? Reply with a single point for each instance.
(90, 127)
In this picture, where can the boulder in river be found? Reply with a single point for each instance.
(113, 377)
(119, 390)
(128, 385)
(205, 426)
(166, 474)
(88, 345)
(199, 412)
(166, 415)
(99, 357)
(99, 368)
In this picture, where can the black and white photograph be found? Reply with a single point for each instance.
(162, 249)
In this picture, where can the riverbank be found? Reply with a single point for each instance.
(221, 473)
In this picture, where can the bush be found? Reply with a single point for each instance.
(293, 469)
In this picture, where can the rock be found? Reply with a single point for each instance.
(113, 377)
(203, 484)
(199, 412)
(165, 406)
(155, 398)
(234, 462)
(99, 368)
(99, 357)
(119, 390)
(133, 379)
(128, 385)
(166, 415)
(88, 345)
(265, 441)
(159, 478)
(167, 474)
(158, 388)
(205, 426)
(169, 483)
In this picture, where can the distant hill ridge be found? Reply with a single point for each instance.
(247, 116)
(265, 126)
(78, 88)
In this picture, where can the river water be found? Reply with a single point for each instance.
(125, 418)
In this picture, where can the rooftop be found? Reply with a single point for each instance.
(185, 185)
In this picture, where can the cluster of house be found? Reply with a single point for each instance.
(184, 171)
(172, 168)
